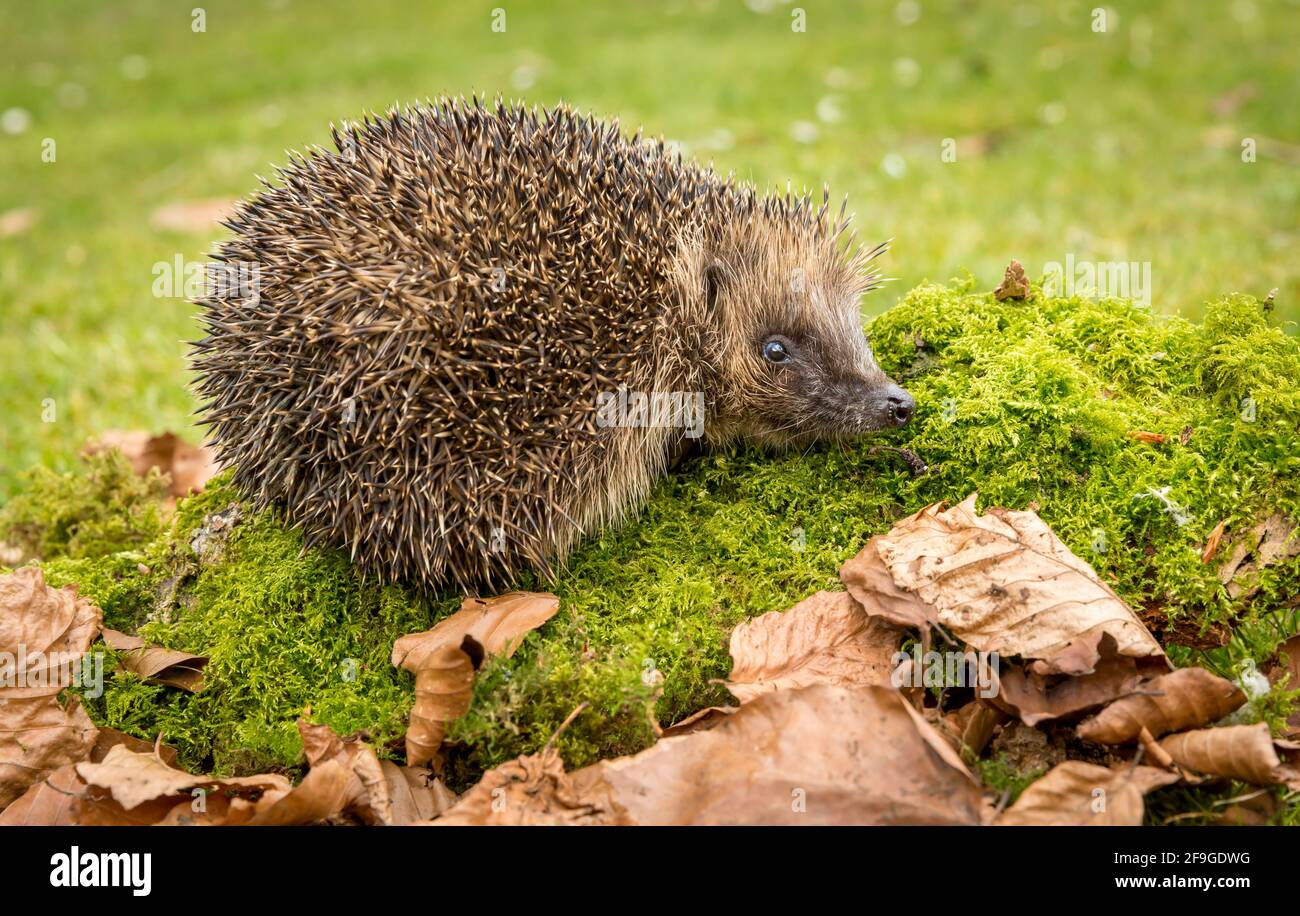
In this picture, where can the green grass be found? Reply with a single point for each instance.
(1028, 402)
(1103, 146)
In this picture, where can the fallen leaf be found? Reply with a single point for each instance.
(44, 634)
(1243, 752)
(191, 215)
(156, 664)
(1186, 698)
(868, 580)
(813, 755)
(1290, 651)
(1078, 794)
(534, 790)
(16, 222)
(1014, 285)
(498, 624)
(133, 779)
(1271, 541)
(443, 660)
(1003, 582)
(699, 721)
(444, 687)
(1042, 695)
(189, 467)
(825, 639)
(1212, 542)
(109, 738)
(417, 795)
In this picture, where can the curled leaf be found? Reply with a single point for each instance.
(1078, 794)
(1244, 752)
(825, 639)
(1186, 698)
(158, 665)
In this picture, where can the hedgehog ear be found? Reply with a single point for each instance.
(713, 279)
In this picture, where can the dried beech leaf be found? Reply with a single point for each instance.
(444, 659)
(1291, 652)
(47, 629)
(814, 755)
(417, 795)
(444, 687)
(44, 633)
(1186, 698)
(189, 467)
(1003, 582)
(699, 721)
(156, 664)
(1078, 794)
(1271, 541)
(869, 581)
(534, 790)
(133, 779)
(52, 802)
(1244, 752)
(498, 624)
(824, 639)
(1036, 696)
(191, 215)
(1014, 285)
(368, 795)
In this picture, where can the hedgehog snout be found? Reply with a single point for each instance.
(899, 405)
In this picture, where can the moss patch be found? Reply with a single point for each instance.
(1031, 403)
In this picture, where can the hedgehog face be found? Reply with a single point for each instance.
(795, 365)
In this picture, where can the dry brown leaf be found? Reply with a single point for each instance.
(814, 755)
(1071, 686)
(444, 687)
(699, 721)
(1014, 285)
(1271, 541)
(189, 467)
(868, 580)
(498, 624)
(1003, 582)
(534, 790)
(1212, 542)
(445, 658)
(1290, 651)
(1243, 752)
(825, 639)
(191, 215)
(1078, 794)
(133, 779)
(156, 664)
(417, 795)
(1186, 698)
(44, 633)
(16, 222)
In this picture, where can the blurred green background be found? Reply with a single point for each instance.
(1115, 145)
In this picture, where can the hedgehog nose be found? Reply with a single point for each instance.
(901, 406)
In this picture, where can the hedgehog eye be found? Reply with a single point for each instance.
(776, 351)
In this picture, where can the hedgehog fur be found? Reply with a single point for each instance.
(441, 303)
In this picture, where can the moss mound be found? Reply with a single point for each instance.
(1030, 402)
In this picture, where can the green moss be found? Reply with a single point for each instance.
(1028, 402)
(100, 508)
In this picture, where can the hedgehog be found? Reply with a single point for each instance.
(473, 333)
